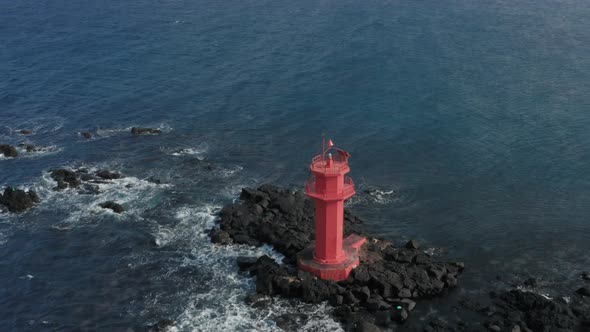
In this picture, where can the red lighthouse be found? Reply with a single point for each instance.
(332, 257)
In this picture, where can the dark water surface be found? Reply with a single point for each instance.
(470, 120)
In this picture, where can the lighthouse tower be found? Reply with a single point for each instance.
(332, 257)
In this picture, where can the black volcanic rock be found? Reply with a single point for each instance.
(115, 207)
(386, 279)
(584, 291)
(17, 200)
(517, 310)
(65, 179)
(108, 175)
(8, 150)
(145, 131)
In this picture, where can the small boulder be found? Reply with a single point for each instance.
(107, 175)
(145, 131)
(245, 262)
(584, 291)
(162, 326)
(8, 150)
(399, 314)
(117, 208)
(65, 178)
(86, 135)
(221, 237)
(531, 282)
(412, 244)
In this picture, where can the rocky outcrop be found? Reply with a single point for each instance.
(384, 287)
(145, 131)
(518, 310)
(104, 174)
(115, 207)
(8, 151)
(66, 178)
(82, 179)
(17, 200)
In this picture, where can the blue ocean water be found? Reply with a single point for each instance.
(468, 124)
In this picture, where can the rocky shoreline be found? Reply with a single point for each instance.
(381, 293)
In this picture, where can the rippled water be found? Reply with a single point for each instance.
(468, 123)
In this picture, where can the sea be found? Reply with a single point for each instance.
(468, 123)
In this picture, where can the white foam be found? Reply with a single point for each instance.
(187, 151)
(229, 172)
(42, 151)
(381, 196)
(222, 308)
(131, 192)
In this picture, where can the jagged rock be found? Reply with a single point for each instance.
(529, 311)
(531, 282)
(162, 326)
(412, 244)
(584, 291)
(399, 314)
(244, 263)
(17, 200)
(65, 178)
(221, 237)
(8, 150)
(117, 208)
(145, 131)
(107, 175)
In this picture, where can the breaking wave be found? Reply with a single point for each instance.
(222, 307)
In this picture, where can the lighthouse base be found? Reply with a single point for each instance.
(338, 271)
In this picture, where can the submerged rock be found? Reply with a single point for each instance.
(145, 131)
(17, 200)
(8, 151)
(117, 208)
(25, 132)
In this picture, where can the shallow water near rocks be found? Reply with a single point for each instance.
(467, 123)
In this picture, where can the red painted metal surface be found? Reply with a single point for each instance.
(332, 257)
